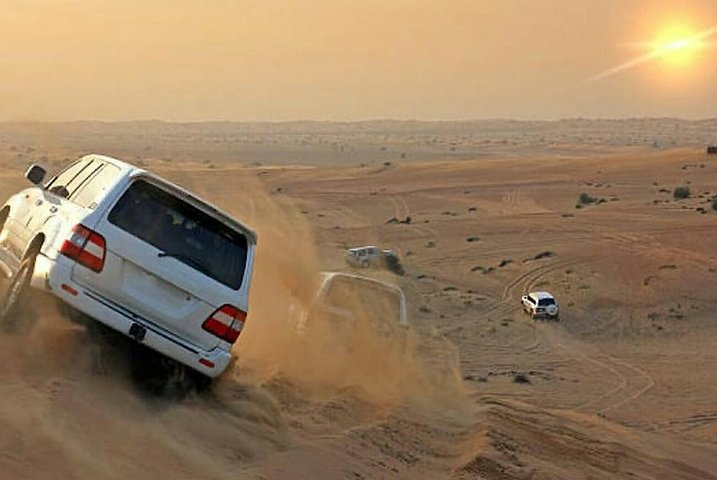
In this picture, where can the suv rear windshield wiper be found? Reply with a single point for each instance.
(184, 259)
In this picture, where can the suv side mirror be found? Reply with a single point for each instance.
(60, 191)
(36, 174)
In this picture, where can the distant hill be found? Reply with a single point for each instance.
(318, 142)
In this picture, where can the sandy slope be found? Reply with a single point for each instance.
(622, 387)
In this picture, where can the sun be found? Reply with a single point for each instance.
(676, 46)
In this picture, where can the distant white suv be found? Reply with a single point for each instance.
(134, 252)
(540, 304)
(371, 256)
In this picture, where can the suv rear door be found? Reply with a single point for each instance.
(169, 260)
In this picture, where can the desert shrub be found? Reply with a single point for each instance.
(681, 193)
(521, 378)
(586, 199)
(714, 203)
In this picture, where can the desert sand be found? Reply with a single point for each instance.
(623, 386)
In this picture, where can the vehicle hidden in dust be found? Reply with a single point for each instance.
(353, 305)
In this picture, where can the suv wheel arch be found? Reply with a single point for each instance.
(4, 214)
(35, 246)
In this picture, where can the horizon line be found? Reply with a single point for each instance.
(369, 120)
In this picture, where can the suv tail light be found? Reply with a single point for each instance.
(86, 247)
(226, 323)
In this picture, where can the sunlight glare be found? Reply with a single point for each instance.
(677, 46)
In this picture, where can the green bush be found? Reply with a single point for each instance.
(586, 199)
(681, 193)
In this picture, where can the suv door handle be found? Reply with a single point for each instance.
(53, 209)
(38, 202)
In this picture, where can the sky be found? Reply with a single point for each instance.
(277, 60)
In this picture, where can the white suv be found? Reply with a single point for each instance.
(373, 256)
(134, 252)
(540, 304)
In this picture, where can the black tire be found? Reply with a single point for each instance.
(3, 218)
(13, 308)
(159, 376)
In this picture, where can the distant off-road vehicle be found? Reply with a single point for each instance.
(369, 256)
(134, 252)
(350, 302)
(540, 305)
(712, 150)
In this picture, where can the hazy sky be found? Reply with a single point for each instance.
(346, 59)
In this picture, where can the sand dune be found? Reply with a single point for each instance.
(621, 387)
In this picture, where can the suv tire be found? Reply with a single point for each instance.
(14, 301)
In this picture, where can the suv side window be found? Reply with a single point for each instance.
(60, 183)
(98, 183)
(531, 299)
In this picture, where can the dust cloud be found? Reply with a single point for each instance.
(286, 336)
(69, 390)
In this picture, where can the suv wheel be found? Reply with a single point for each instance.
(15, 296)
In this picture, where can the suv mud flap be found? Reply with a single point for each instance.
(137, 332)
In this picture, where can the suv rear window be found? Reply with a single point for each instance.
(182, 231)
(544, 302)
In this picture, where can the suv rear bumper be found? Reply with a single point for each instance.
(56, 275)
